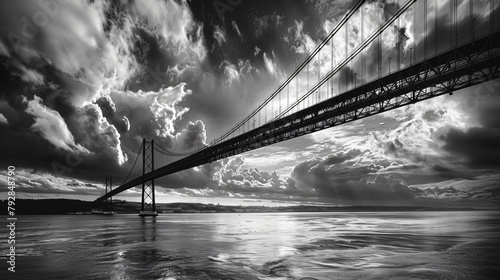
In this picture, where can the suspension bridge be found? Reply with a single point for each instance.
(379, 56)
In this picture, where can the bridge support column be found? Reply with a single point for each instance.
(148, 206)
(108, 204)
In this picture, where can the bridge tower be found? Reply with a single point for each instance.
(148, 206)
(108, 206)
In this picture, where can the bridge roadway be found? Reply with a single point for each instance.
(461, 67)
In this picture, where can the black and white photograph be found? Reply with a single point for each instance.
(249, 139)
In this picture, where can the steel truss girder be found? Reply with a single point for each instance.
(464, 66)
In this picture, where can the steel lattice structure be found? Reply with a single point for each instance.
(108, 202)
(148, 205)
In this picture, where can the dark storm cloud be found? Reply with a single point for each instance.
(397, 149)
(24, 149)
(487, 100)
(338, 179)
(335, 180)
(38, 136)
(479, 147)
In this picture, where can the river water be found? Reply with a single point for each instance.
(341, 245)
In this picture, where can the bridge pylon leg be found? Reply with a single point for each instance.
(108, 204)
(148, 206)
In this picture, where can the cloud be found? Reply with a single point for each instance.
(340, 180)
(4, 51)
(232, 75)
(30, 76)
(245, 67)
(154, 115)
(262, 23)
(193, 136)
(84, 49)
(219, 35)
(271, 66)
(3, 119)
(228, 178)
(174, 23)
(256, 51)
(94, 132)
(450, 193)
(235, 75)
(300, 42)
(478, 146)
(52, 126)
(165, 110)
(151, 113)
(182, 72)
(235, 27)
(78, 31)
(30, 181)
(102, 46)
(108, 109)
(331, 9)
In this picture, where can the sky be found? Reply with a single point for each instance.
(83, 82)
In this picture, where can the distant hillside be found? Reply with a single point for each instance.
(48, 206)
(66, 206)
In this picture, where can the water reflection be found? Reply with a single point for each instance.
(148, 228)
(257, 236)
(420, 245)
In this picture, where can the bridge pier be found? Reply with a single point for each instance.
(148, 205)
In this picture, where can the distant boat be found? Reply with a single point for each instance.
(108, 213)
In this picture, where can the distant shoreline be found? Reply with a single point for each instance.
(80, 207)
